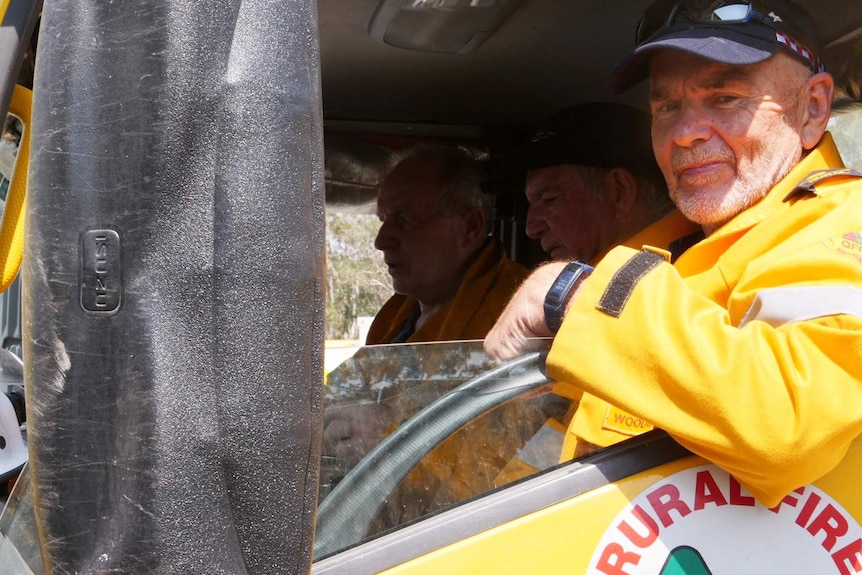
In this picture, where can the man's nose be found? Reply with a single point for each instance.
(691, 125)
(536, 224)
(386, 238)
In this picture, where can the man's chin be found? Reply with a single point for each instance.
(401, 287)
(721, 204)
(706, 206)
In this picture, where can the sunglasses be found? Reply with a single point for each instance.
(663, 15)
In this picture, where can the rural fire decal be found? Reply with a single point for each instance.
(701, 521)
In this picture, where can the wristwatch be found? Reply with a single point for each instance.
(561, 291)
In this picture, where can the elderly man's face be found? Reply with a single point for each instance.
(566, 216)
(724, 135)
(423, 247)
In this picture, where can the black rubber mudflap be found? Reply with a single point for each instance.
(173, 286)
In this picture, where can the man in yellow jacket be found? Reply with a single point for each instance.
(747, 349)
(593, 164)
(451, 279)
(592, 182)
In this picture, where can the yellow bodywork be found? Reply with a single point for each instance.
(12, 228)
(563, 538)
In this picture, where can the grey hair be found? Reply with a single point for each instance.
(460, 173)
(655, 195)
(591, 178)
(657, 199)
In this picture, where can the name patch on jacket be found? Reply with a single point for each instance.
(623, 422)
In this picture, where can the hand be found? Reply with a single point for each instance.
(524, 316)
(352, 430)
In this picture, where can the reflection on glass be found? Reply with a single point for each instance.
(380, 388)
(368, 398)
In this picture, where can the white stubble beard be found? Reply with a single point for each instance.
(751, 184)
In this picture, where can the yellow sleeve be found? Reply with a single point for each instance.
(775, 407)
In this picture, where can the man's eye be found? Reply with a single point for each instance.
(665, 108)
(723, 99)
(549, 201)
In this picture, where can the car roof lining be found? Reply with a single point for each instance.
(548, 55)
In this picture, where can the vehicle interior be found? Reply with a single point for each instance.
(482, 74)
(486, 74)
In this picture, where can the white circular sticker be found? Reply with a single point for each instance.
(701, 521)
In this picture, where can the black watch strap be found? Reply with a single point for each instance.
(561, 291)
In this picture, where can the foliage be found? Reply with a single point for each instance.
(357, 283)
(846, 128)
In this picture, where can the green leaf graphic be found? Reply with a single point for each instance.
(684, 560)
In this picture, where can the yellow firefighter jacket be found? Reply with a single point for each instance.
(591, 421)
(485, 290)
(595, 422)
(748, 350)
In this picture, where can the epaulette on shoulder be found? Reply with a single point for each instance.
(818, 176)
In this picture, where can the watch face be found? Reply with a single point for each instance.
(557, 292)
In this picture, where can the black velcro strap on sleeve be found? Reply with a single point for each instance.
(624, 281)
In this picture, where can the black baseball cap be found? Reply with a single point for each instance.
(737, 32)
(598, 134)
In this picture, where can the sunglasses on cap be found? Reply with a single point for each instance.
(665, 15)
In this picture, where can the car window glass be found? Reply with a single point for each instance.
(380, 388)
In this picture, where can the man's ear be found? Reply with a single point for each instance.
(821, 88)
(621, 186)
(474, 226)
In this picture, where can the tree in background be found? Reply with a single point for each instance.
(357, 283)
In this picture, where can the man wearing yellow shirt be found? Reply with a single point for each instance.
(451, 279)
(747, 349)
(593, 183)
